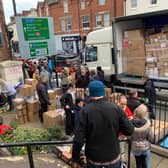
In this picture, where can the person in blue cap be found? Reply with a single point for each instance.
(98, 127)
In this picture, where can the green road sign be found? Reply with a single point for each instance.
(38, 49)
(35, 28)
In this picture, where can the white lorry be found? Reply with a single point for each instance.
(104, 47)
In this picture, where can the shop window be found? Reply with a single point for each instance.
(106, 19)
(82, 4)
(65, 6)
(153, 2)
(101, 2)
(98, 20)
(85, 21)
(134, 3)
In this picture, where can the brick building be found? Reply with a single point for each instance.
(4, 51)
(74, 19)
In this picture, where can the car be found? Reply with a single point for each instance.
(65, 59)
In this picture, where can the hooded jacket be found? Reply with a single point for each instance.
(141, 135)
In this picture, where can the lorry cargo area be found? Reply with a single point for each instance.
(139, 46)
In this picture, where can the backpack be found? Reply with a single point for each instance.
(3, 99)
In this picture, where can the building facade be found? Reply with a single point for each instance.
(133, 7)
(74, 19)
(4, 48)
(12, 25)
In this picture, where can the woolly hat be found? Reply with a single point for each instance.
(96, 88)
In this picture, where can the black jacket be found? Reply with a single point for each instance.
(150, 92)
(43, 93)
(99, 125)
(133, 103)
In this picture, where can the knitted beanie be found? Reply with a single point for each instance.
(96, 88)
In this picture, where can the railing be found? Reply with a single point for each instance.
(160, 124)
(29, 146)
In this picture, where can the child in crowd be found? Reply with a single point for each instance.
(140, 138)
(78, 105)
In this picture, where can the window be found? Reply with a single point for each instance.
(106, 19)
(65, 6)
(47, 12)
(101, 2)
(85, 21)
(63, 29)
(82, 4)
(69, 24)
(98, 20)
(66, 24)
(134, 3)
(1, 38)
(91, 54)
(153, 2)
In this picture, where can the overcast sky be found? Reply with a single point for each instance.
(20, 5)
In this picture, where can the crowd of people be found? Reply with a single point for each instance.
(93, 120)
(101, 124)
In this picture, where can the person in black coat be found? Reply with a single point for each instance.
(43, 96)
(98, 127)
(68, 105)
(133, 102)
(150, 96)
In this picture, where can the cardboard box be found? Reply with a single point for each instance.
(19, 103)
(33, 111)
(51, 94)
(136, 45)
(26, 90)
(52, 118)
(33, 106)
(134, 34)
(21, 117)
(58, 91)
(52, 106)
(32, 82)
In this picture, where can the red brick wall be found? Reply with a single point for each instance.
(91, 9)
(4, 52)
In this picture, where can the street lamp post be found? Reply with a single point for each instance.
(14, 7)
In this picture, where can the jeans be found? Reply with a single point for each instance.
(116, 165)
(142, 159)
(43, 108)
(10, 101)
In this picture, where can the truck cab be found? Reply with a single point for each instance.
(99, 51)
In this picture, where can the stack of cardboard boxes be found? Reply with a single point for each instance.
(157, 54)
(30, 106)
(134, 52)
(146, 52)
